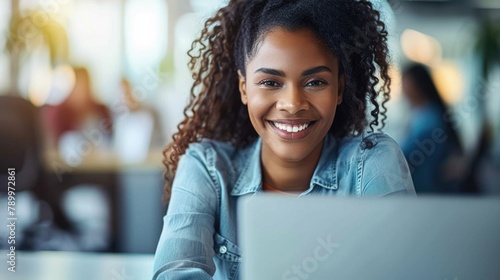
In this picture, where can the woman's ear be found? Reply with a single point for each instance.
(242, 86)
(341, 89)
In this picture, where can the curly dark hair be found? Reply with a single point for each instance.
(351, 29)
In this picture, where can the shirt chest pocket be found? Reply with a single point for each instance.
(226, 250)
(229, 253)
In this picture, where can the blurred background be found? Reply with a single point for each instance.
(92, 90)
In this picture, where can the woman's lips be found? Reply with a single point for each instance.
(292, 130)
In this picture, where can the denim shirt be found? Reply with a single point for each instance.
(199, 239)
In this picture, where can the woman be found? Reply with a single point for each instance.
(278, 105)
(431, 139)
(79, 112)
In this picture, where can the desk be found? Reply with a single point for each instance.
(78, 266)
(134, 192)
(98, 161)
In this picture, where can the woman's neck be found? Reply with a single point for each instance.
(289, 176)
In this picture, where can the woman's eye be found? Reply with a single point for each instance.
(316, 83)
(269, 83)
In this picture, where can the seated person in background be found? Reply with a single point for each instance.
(431, 139)
(79, 118)
(138, 128)
(80, 128)
(278, 105)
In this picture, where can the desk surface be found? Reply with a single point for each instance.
(76, 266)
(100, 162)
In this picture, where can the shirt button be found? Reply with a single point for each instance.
(222, 249)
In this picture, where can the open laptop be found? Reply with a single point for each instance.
(445, 238)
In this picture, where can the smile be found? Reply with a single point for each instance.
(291, 128)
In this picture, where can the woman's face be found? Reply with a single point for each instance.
(411, 91)
(292, 88)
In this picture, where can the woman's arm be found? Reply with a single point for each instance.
(185, 249)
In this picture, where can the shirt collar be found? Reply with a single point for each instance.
(250, 179)
(325, 174)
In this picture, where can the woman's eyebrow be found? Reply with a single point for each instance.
(315, 70)
(271, 71)
(307, 72)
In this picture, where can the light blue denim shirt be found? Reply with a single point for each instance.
(199, 239)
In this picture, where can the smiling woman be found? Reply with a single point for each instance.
(291, 102)
(279, 104)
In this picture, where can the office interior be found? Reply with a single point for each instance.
(98, 191)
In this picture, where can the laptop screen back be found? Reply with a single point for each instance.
(362, 238)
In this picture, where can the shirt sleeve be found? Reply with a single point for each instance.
(185, 249)
(385, 170)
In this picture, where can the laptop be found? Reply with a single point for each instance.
(445, 238)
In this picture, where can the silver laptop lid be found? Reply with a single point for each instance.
(361, 238)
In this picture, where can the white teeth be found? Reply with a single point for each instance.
(291, 128)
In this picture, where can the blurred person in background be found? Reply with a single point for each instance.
(431, 140)
(80, 128)
(78, 113)
(138, 127)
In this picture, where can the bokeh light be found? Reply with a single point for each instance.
(420, 47)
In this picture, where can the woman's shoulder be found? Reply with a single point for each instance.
(368, 142)
(384, 169)
(207, 148)
(218, 162)
(217, 154)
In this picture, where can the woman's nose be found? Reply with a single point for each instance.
(292, 100)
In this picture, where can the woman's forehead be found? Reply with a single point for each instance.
(284, 47)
